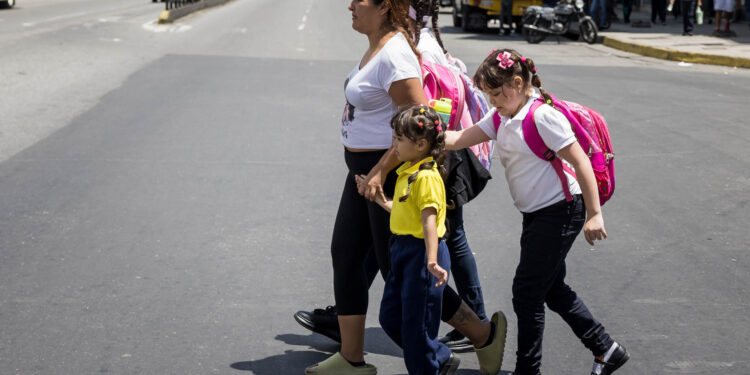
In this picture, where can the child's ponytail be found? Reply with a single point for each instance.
(535, 80)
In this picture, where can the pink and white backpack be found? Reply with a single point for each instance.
(592, 134)
(469, 105)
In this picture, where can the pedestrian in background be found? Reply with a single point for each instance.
(627, 10)
(688, 16)
(506, 16)
(723, 8)
(601, 6)
(550, 221)
(658, 9)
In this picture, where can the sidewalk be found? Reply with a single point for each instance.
(667, 41)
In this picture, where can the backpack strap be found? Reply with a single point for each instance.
(537, 146)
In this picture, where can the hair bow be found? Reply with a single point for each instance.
(505, 60)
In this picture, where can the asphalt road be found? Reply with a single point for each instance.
(167, 194)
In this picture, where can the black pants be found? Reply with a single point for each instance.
(658, 8)
(360, 226)
(627, 9)
(547, 236)
(688, 15)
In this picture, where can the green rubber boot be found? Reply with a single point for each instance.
(338, 365)
(491, 357)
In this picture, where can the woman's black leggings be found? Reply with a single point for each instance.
(360, 225)
(361, 232)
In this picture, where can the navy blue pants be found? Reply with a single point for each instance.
(547, 236)
(410, 309)
(463, 268)
(463, 264)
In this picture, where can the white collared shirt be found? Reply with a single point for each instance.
(532, 181)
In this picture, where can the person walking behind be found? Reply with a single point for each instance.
(463, 264)
(658, 9)
(412, 297)
(550, 222)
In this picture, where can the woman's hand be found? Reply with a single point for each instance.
(594, 230)
(438, 272)
(370, 186)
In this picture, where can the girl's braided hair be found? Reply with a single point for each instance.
(430, 9)
(490, 75)
(421, 122)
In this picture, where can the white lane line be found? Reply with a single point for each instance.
(53, 19)
(154, 26)
(304, 18)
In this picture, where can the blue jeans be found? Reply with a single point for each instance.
(595, 5)
(463, 264)
(410, 309)
(547, 236)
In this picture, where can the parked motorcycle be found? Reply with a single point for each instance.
(539, 22)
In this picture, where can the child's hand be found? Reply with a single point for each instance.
(438, 272)
(594, 229)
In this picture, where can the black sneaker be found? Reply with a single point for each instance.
(456, 342)
(450, 366)
(615, 361)
(322, 321)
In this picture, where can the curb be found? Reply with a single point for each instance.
(169, 16)
(669, 54)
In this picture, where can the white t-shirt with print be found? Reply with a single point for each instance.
(533, 182)
(366, 122)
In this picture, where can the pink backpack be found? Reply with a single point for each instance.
(442, 82)
(593, 136)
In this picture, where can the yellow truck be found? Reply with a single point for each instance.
(473, 15)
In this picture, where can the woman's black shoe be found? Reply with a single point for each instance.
(322, 321)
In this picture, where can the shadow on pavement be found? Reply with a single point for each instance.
(291, 362)
(376, 342)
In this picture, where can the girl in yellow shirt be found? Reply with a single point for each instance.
(410, 309)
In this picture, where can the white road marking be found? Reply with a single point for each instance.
(53, 19)
(154, 26)
(304, 18)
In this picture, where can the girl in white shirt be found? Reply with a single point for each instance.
(550, 223)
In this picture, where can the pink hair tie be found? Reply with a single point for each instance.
(505, 60)
(439, 128)
(491, 52)
(523, 59)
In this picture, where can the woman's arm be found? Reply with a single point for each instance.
(406, 92)
(456, 140)
(594, 227)
(429, 227)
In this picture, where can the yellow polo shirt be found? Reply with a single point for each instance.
(427, 190)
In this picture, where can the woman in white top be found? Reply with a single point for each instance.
(387, 77)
